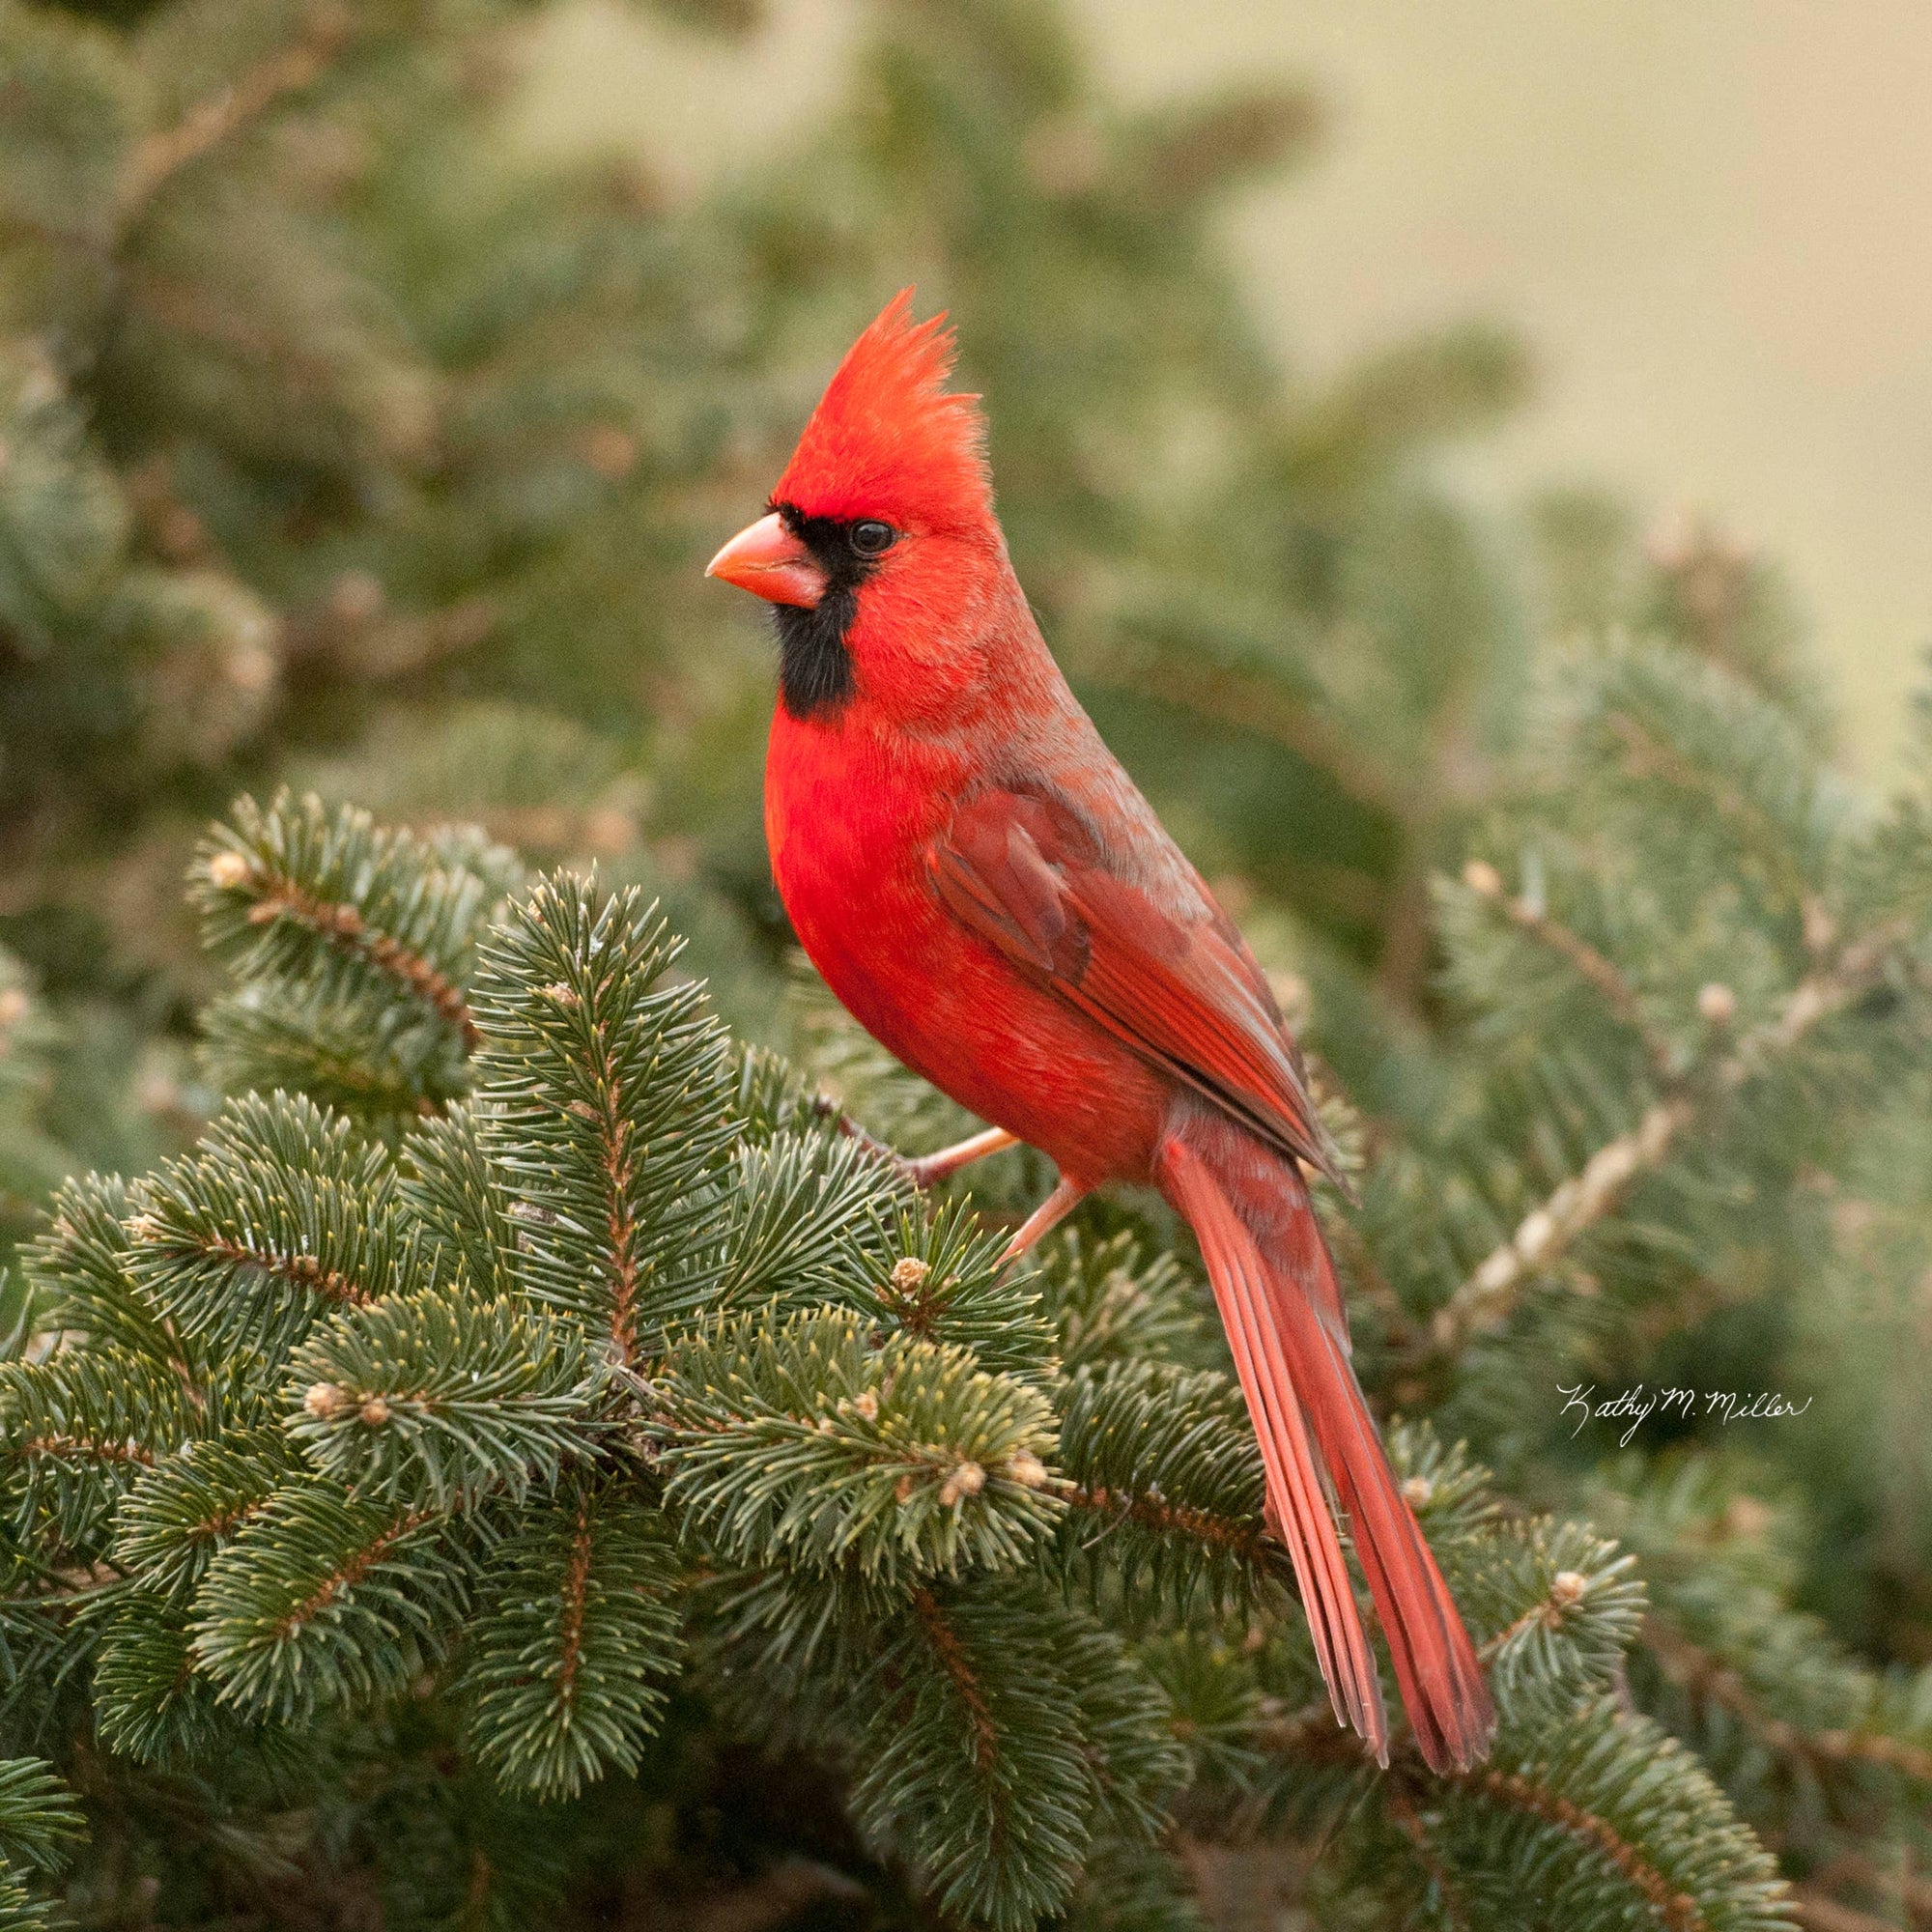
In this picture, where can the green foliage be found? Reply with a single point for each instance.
(39, 1823)
(579, 1628)
(519, 1390)
(283, 1214)
(899, 1458)
(630, 1386)
(432, 1397)
(609, 1090)
(1168, 1460)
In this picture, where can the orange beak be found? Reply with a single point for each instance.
(766, 560)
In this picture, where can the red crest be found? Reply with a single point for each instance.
(888, 441)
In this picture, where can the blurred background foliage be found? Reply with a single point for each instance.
(343, 444)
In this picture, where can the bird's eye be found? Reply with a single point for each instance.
(873, 539)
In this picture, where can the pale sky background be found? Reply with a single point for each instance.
(1711, 218)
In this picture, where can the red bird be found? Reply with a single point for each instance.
(983, 887)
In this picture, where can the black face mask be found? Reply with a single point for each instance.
(815, 674)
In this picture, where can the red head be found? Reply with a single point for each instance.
(880, 556)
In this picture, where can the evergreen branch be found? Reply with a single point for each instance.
(1258, 705)
(1446, 1488)
(175, 1518)
(282, 1215)
(954, 1661)
(302, 1271)
(211, 123)
(944, 1277)
(802, 1218)
(1484, 1299)
(344, 928)
(970, 1756)
(609, 1092)
(1675, 1909)
(1591, 966)
(1447, 1894)
(150, 1700)
(324, 1599)
(1650, 759)
(564, 1673)
(449, 1182)
(1128, 1728)
(1109, 1302)
(432, 1398)
(1647, 716)
(84, 1449)
(1697, 1670)
(1655, 1830)
(380, 1065)
(40, 1820)
(1582, 1608)
(807, 1440)
(80, 1427)
(325, 903)
(79, 1271)
(1163, 1485)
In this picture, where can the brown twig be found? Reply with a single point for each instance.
(575, 1592)
(88, 1448)
(953, 1660)
(1601, 974)
(345, 928)
(1488, 1294)
(1693, 1668)
(1312, 1727)
(1677, 1910)
(1408, 1820)
(303, 1271)
(1177, 1519)
(1646, 756)
(1548, 1614)
(350, 1572)
(225, 113)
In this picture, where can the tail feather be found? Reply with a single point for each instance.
(1295, 1374)
(1298, 1507)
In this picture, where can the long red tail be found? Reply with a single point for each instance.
(1276, 1290)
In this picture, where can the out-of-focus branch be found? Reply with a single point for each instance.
(1693, 1668)
(1648, 757)
(230, 109)
(1821, 1913)
(1618, 992)
(1253, 705)
(1485, 1300)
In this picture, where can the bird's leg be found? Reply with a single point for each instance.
(929, 1168)
(1044, 1218)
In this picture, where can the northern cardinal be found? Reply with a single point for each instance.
(982, 886)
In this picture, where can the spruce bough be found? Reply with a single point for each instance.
(584, 1368)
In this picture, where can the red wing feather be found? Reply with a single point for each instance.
(1024, 873)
